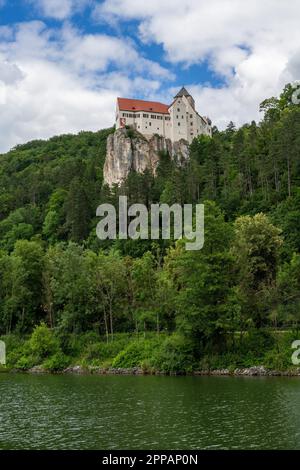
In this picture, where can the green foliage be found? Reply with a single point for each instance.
(175, 355)
(168, 354)
(39, 181)
(54, 228)
(203, 281)
(289, 292)
(136, 353)
(26, 362)
(21, 224)
(57, 362)
(42, 342)
(78, 210)
(254, 348)
(279, 357)
(92, 300)
(287, 217)
(102, 352)
(256, 251)
(130, 132)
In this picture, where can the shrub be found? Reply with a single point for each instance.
(16, 347)
(12, 342)
(254, 345)
(59, 361)
(277, 360)
(147, 366)
(103, 351)
(26, 362)
(280, 357)
(136, 353)
(222, 361)
(175, 355)
(130, 132)
(43, 342)
(131, 356)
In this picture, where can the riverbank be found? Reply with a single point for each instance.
(258, 353)
(255, 371)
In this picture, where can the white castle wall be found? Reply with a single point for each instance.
(183, 121)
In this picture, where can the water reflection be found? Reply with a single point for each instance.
(108, 412)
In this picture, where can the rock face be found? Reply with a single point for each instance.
(128, 150)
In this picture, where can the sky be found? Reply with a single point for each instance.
(64, 62)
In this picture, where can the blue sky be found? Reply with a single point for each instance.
(64, 62)
(17, 11)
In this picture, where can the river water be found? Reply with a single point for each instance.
(148, 412)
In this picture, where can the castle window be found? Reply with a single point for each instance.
(178, 109)
(153, 116)
(145, 115)
(191, 123)
(182, 117)
(149, 123)
(191, 115)
(179, 124)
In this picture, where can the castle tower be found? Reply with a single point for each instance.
(184, 92)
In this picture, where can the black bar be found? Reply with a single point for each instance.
(137, 459)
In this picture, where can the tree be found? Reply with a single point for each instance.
(27, 262)
(65, 288)
(144, 292)
(286, 216)
(110, 287)
(256, 251)
(203, 284)
(289, 292)
(54, 223)
(42, 342)
(78, 211)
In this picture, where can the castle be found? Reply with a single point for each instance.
(177, 121)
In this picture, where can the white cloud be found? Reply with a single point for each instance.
(9, 72)
(54, 81)
(59, 9)
(253, 45)
(97, 51)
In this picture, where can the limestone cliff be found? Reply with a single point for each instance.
(128, 150)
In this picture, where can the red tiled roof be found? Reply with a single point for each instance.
(126, 104)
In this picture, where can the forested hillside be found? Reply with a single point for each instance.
(216, 307)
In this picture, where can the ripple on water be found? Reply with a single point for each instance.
(86, 412)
